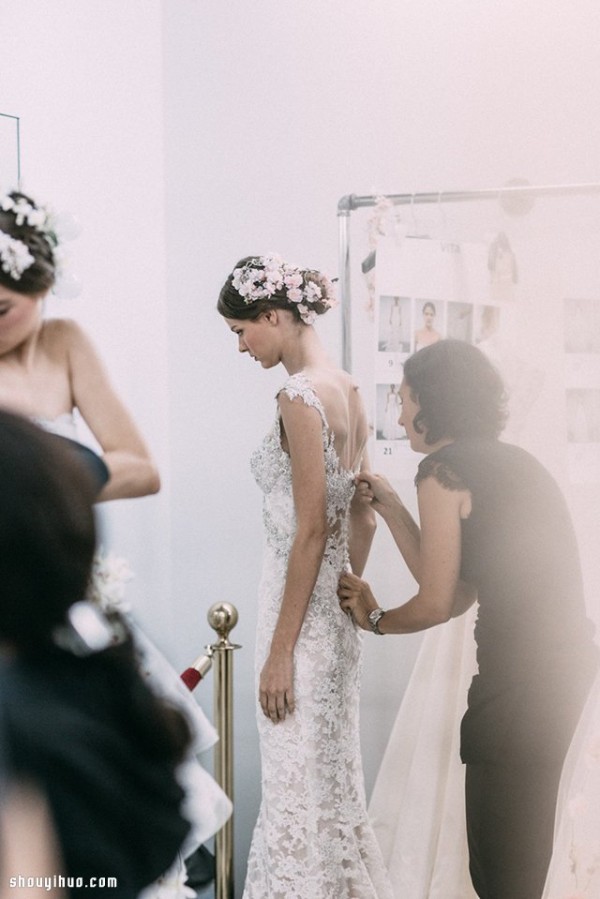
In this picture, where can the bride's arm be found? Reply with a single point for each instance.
(383, 498)
(362, 528)
(303, 431)
(132, 470)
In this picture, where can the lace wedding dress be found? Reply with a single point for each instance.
(312, 839)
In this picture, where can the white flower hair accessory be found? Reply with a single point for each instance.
(263, 276)
(15, 257)
(26, 213)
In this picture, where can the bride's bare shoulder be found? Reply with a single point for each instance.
(332, 379)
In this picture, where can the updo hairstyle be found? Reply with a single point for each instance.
(460, 393)
(40, 276)
(231, 304)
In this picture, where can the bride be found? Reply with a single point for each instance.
(312, 838)
(48, 370)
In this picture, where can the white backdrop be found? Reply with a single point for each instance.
(188, 133)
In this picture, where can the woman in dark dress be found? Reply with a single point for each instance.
(494, 527)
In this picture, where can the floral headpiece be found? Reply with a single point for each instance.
(260, 278)
(15, 257)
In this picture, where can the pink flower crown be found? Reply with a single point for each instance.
(264, 276)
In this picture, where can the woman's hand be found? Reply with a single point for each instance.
(276, 687)
(376, 490)
(355, 597)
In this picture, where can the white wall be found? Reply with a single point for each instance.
(85, 78)
(274, 110)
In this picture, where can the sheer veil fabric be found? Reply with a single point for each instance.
(574, 871)
(417, 806)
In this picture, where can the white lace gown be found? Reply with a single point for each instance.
(312, 839)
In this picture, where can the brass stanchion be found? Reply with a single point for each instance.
(223, 617)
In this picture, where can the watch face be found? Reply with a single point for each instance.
(374, 618)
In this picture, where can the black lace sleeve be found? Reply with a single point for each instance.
(441, 471)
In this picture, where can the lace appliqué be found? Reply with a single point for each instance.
(312, 839)
(443, 474)
(272, 470)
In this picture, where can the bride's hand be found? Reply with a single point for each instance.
(276, 686)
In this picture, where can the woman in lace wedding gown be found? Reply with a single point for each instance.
(48, 370)
(312, 838)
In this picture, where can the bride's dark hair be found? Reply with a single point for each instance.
(231, 303)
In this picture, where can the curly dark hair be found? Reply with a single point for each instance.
(41, 274)
(460, 393)
(231, 303)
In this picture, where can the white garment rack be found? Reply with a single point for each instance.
(350, 202)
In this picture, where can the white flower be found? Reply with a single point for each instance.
(22, 209)
(293, 279)
(273, 282)
(307, 315)
(36, 218)
(15, 261)
(264, 276)
(313, 292)
(15, 257)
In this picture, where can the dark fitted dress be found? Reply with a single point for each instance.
(535, 654)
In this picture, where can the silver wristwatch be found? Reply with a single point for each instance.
(374, 618)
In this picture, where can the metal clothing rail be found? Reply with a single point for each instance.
(17, 121)
(350, 202)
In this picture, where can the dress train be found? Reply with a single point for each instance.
(417, 806)
(574, 871)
